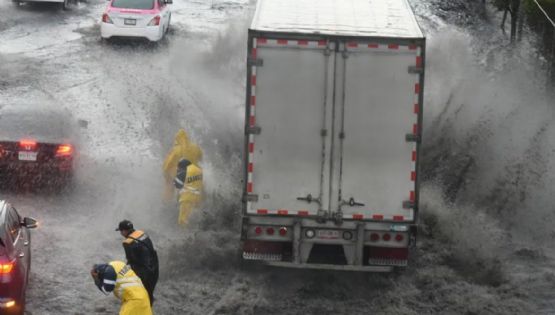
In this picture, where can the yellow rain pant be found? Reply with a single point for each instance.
(187, 203)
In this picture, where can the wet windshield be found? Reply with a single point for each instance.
(134, 4)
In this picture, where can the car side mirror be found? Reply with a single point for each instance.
(30, 223)
(83, 123)
(168, 1)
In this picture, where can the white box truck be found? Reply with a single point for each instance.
(332, 133)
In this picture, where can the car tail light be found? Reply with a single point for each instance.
(106, 18)
(6, 267)
(155, 21)
(64, 150)
(258, 230)
(374, 237)
(270, 231)
(386, 237)
(27, 145)
(399, 237)
(283, 231)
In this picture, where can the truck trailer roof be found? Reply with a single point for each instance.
(368, 18)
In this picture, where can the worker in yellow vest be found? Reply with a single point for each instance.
(182, 148)
(189, 182)
(119, 278)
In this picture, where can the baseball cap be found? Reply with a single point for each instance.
(125, 225)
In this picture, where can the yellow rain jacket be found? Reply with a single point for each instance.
(130, 290)
(190, 196)
(182, 148)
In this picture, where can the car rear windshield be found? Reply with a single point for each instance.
(134, 4)
(20, 125)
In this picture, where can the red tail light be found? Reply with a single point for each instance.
(283, 231)
(64, 150)
(258, 230)
(270, 231)
(27, 145)
(106, 18)
(374, 237)
(6, 267)
(155, 21)
(386, 237)
(399, 237)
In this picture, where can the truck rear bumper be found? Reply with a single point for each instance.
(330, 267)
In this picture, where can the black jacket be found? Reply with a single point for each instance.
(140, 254)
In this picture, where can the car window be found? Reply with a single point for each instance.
(14, 223)
(19, 125)
(134, 4)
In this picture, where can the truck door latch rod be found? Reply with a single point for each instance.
(309, 199)
(353, 203)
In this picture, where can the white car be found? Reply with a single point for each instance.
(148, 19)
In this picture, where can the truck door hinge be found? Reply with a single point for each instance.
(411, 137)
(255, 62)
(254, 130)
(408, 204)
(250, 198)
(416, 70)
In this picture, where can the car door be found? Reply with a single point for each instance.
(20, 244)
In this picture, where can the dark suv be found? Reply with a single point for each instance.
(15, 258)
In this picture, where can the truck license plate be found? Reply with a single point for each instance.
(130, 21)
(27, 156)
(328, 234)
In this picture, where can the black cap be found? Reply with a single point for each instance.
(125, 225)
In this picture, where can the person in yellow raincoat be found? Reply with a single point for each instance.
(190, 189)
(189, 182)
(119, 278)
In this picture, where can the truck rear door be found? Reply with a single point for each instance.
(291, 88)
(378, 102)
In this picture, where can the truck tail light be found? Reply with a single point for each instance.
(64, 150)
(270, 231)
(27, 145)
(155, 21)
(283, 231)
(386, 237)
(6, 267)
(399, 237)
(374, 237)
(106, 18)
(258, 230)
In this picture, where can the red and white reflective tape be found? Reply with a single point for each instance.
(291, 43)
(415, 107)
(302, 213)
(381, 47)
(252, 123)
(377, 216)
